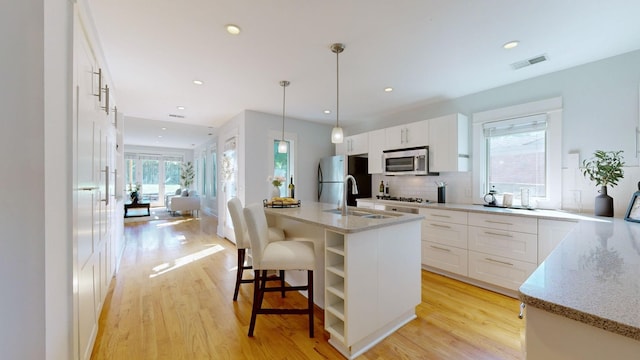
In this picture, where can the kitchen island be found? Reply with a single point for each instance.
(583, 301)
(367, 276)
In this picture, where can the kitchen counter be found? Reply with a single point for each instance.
(593, 276)
(317, 214)
(367, 275)
(537, 213)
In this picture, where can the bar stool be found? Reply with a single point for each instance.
(242, 243)
(294, 254)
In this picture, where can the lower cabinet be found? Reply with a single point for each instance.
(444, 240)
(492, 249)
(372, 284)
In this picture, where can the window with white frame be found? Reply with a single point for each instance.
(516, 155)
(519, 148)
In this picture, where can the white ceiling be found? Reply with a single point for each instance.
(427, 50)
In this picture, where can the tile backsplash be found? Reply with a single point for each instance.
(458, 188)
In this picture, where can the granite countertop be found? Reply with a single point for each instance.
(537, 213)
(317, 214)
(593, 276)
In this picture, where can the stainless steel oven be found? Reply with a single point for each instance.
(413, 161)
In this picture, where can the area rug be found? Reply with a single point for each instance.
(157, 213)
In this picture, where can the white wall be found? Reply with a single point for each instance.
(35, 266)
(600, 112)
(314, 142)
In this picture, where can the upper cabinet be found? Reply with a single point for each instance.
(376, 146)
(449, 143)
(354, 145)
(407, 135)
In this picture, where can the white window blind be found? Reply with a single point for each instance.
(515, 126)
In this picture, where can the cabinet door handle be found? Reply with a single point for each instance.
(88, 188)
(440, 226)
(498, 222)
(497, 234)
(440, 248)
(499, 262)
(106, 185)
(99, 94)
(442, 216)
(106, 92)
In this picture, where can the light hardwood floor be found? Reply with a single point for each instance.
(172, 299)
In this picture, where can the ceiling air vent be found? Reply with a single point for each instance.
(177, 116)
(528, 62)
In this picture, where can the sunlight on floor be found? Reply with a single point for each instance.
(173, 223)
(169, 266)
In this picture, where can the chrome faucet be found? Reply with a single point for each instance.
(354, 190)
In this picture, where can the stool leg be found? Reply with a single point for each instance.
(310, 300)
(257, 301)
(241, 254)
(282, 281)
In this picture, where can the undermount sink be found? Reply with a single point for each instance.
(364, 214)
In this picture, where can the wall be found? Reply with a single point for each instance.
(313, 144)
(600, 111)
(34, 223)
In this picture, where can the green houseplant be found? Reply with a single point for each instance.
(187, 175)
(605, 168)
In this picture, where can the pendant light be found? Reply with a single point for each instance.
(336, 134)
(282, 145)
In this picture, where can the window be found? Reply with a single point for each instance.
(282, 166)
(516, 155)
(519, 147)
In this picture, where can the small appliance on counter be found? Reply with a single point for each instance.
(490, 198)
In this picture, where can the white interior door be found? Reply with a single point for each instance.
(229, 183)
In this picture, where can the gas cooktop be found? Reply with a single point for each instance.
(403, 199)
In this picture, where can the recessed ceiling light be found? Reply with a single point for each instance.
(198, 82)
(159, 136)
(164, 128)
(388, 89)
(511, 44)
(233, 29)
(327, 111)
(180, 107)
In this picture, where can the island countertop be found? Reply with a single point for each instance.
(319, 214)
(593, 276)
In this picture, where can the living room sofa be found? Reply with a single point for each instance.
(189, 201)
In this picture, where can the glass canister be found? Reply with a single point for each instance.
(524, 197)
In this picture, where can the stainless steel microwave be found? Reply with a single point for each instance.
(413, 161)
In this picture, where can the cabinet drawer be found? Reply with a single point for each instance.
(509, 244)
(448, 216)
(505, 222)
(445, 233)
(445, 257)
(500, 271)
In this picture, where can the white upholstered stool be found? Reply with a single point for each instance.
(280, 255)
(243, 244)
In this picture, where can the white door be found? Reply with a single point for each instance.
(229, 183)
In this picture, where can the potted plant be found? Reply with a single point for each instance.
(605, 168)
(187, 175)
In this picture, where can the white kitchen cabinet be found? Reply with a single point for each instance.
(407, 135)
(376, 146)
(503, 249)
(449, 143)
(354, 145)
(372, 284)
(553, 337)
(444, 240)
(550, 233)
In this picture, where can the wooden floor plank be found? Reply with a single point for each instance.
(172, 299)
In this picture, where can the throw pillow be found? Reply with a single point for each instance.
(185, 193)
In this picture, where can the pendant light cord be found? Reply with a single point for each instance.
(337, 89)
(284, 94)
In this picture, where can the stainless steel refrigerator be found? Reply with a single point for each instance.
(331, 173)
